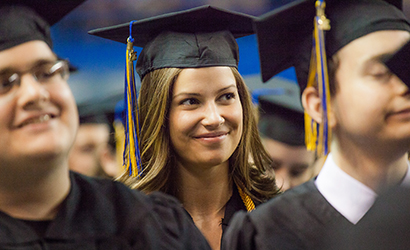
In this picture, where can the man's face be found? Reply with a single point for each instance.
(293, 165)
(38, 119)
(371, 105)
(90, 144)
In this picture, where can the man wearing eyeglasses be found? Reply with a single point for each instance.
(42, 204)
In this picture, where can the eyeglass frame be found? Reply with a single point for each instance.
(15, 78)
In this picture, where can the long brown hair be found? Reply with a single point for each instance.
(248, 163)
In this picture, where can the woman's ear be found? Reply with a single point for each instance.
(312, 103)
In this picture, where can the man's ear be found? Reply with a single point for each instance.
(312, 103)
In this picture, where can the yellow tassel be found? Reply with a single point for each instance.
(246, 200)
(318, 73)
(133, 125)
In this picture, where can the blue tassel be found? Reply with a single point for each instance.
(131, 156)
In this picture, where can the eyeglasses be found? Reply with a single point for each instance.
(43, 73)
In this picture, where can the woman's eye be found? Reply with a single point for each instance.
(190, 101)
(228, 96)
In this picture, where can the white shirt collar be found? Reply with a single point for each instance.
(348, 196)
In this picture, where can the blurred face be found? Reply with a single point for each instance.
(91, 142)
(205, 118)
(371, 102)
(37, 119)
(292, 164)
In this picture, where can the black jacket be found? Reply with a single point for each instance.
(103, 214)
(300, 218)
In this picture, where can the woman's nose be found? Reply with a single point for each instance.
(212, 116)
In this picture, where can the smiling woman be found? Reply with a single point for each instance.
(196, 144)
(198, 135)
(205, 117)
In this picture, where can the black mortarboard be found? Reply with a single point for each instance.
(399, 64)
(285, 34)
(281, 121)
(198, 37)
(27, 20)
(99, 110)
(90, 113)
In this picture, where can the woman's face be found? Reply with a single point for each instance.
(205, 117)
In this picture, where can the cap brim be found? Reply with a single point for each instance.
(279, 33)
(399, 64)
(51, 11)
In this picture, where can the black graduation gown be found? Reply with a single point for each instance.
(297, 219)
(385, 226)
(103, 214)
(234, 204)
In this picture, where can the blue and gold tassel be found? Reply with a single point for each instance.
(318, 136)
(131, 156)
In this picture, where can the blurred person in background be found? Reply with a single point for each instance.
(93, 152)
(281, 126)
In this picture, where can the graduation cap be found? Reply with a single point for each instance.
(101, 110)
(287, 36)
(399, 64)
(280, 121)
(194, 38)
(27, 20)
(200, 37)
(96, 112)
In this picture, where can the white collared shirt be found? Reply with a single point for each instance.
(348, 196)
